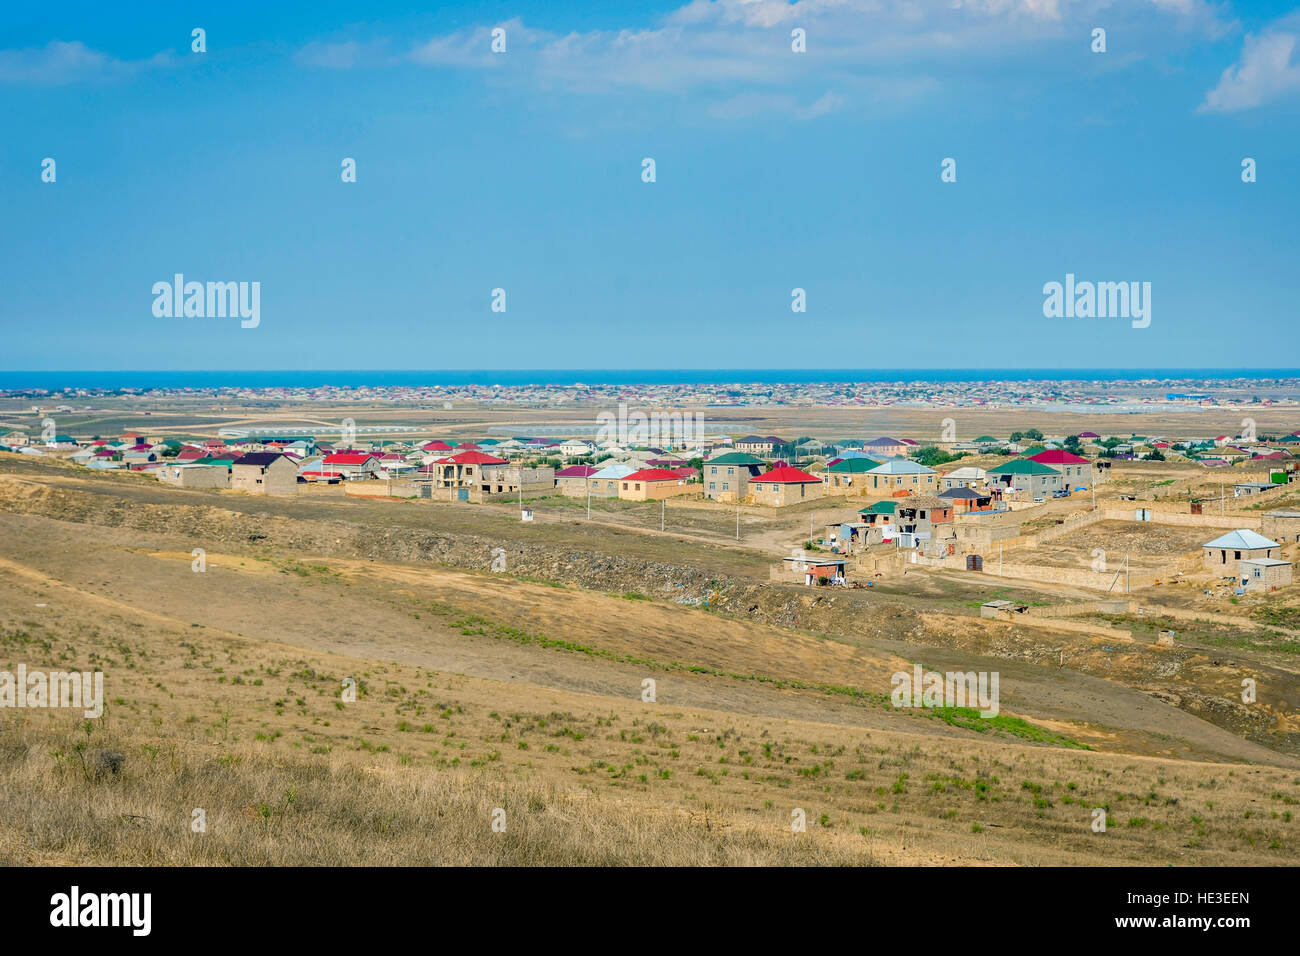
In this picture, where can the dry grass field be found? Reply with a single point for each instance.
(521, 692)
(254, 733)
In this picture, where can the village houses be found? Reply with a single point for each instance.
(901, 476)
(727, 477)
(785, 486)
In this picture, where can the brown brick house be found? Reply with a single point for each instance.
(785, 486)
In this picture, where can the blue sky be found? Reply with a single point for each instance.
(775, 170)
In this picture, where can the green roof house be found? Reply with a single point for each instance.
(727, 477)
(880, 513)
(1025, 474)
(847, 474)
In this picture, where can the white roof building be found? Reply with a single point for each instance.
(901, 466)
(965, 474)
(1243, 539)
(613, 472)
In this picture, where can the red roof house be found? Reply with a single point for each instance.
(787, 475)
(653, 483)
(785, 486)
(653, 474)
(577, 471)
(472, 458)
(573, 480)
(1076, 470)
(1058, 456)
(351, 463)
(466, 470)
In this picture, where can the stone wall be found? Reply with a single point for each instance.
(382, 488)
(1121, 606)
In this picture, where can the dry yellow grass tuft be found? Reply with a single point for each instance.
(265, 811)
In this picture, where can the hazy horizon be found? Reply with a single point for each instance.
(57, 379)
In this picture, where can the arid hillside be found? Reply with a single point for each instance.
(525, 691)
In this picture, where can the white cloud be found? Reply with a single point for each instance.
(1266, 72)
(60, 63)
(736, 54)
(473, 47)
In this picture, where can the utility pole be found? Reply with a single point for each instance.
(737, 516)
(589, 497)
(663, 509)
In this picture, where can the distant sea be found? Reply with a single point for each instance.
(298, 379)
